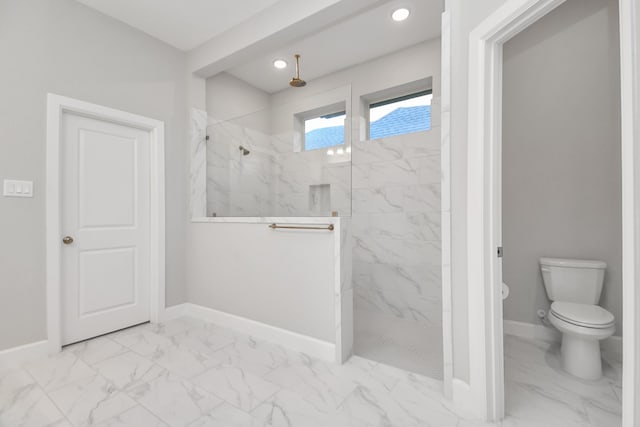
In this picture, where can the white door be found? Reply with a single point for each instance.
(105, 186)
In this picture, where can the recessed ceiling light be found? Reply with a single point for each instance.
(280, 64)
(400, 14)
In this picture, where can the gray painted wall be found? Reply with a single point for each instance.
(247, 99)
(561, 152)
(63, 47)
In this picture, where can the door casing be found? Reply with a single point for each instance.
(485, 394)
(56, 106)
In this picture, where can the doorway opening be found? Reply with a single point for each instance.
(561, 194)
(485, 395)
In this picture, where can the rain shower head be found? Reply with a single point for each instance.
(297, 81)
(245, 152)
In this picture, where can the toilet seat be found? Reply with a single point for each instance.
(584, 315)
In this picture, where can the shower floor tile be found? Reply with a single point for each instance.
(414, 346)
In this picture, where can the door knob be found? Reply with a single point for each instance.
(67, 240)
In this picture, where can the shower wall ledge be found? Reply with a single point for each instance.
(270, 219)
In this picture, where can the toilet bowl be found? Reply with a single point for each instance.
(575, 287)
(582, 327)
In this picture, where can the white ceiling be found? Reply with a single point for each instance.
(344, 42)
(183, 24)
(355, 40)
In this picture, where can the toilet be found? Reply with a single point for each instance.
(574, 287)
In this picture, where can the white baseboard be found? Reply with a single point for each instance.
(531, 331)
(176, 311)
(546, 333)
(17, 356)
(298, 342)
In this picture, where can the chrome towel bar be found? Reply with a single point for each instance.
(302, 227)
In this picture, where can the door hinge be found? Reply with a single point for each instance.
(500, 251)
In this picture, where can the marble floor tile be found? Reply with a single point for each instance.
(527, 351)
(529, 402)
(227, 415)
(390, 376)
(207, 339)
(242, 389)
(286, 409)
(252, 355)
(12, 382)
(392, 341)
(89, 401)
(189, 373)
(400, 398)
(612, 367)
(174, 326)
(129, 370)
(95, 350)
(380, 409)
(141, 340)
(174, 400)
(24, 403)
(339, 419)
(59, 370)
(559, 386)
(535, 377)
(134, 417)
(618, 391)
(601, 416)
(537, 390)
(322, 384)
(183, 362)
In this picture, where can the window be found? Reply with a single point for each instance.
(400, 115)
(324, 131)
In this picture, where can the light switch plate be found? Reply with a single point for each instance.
(14, 188)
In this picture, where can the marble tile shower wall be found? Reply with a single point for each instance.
(239, 185)
(297, 173)
(396, 227)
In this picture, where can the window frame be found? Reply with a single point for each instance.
(300, 117)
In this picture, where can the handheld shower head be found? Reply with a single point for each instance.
(297, 81)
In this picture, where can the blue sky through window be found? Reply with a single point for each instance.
(397, 118)
(323, 132)
(388, 119)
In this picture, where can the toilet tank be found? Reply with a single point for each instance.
(573, 280)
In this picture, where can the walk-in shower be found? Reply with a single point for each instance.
(336, 151)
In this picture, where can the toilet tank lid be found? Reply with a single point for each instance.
(573, 263)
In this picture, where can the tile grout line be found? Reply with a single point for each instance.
(46, 393)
